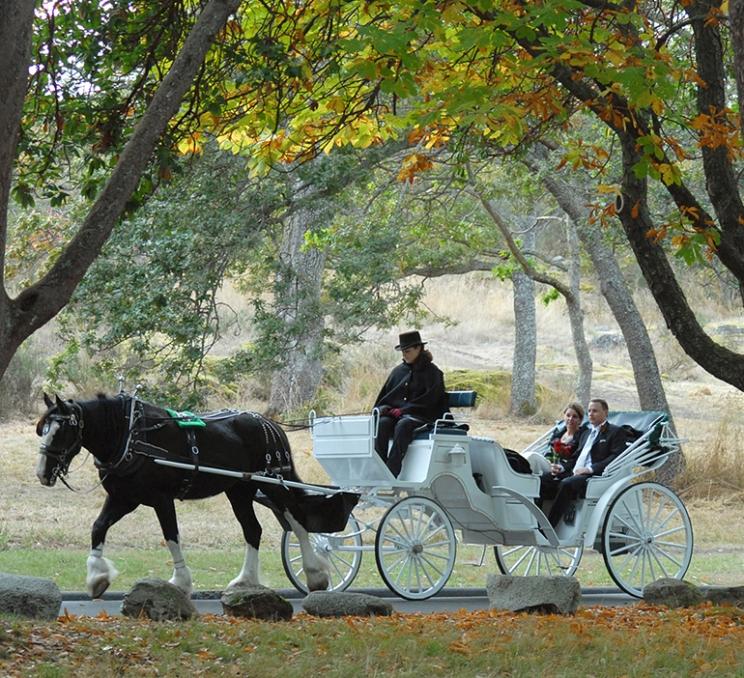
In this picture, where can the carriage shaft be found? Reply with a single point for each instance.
(243, 475)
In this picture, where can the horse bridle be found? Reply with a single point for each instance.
(64, 456)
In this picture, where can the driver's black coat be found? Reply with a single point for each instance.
(416, 389)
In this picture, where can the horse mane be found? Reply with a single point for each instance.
(104, 416)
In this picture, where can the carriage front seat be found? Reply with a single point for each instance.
(448, 424)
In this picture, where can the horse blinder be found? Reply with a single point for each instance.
(63, 453)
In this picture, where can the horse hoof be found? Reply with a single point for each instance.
(318, 583)
(98, 587)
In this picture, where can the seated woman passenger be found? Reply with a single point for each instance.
(413, 395)
(563, 442)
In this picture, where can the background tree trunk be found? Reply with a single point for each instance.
(523, 400)
(297, 289)
(651, 393)
(576, 317)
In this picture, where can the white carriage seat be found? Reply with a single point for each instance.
(448, 423)
(645, 448)
(489, 463)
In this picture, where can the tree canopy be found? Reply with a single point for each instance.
(99, 89)
(657, 75)
(78, 71)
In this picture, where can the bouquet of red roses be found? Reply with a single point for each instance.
(559, 451)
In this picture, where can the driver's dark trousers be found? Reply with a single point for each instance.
(401, 430)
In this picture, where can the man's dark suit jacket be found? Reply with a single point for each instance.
(608, 444)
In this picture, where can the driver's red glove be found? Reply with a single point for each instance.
(395, 412)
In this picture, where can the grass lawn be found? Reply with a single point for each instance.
(212, 569)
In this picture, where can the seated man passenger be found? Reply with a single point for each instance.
(598, 446)
(413, 395)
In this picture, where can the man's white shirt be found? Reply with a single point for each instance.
(585, 458)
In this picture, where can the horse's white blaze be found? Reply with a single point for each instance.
(181, 573)
(45, 441)
(316, 567)
(101, 572)
(249, 573)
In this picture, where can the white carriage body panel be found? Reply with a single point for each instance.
(477, 507)
(344, 447)
(483, 497)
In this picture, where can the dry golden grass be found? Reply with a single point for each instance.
(481, 340)
(34, 516)
(716, 473)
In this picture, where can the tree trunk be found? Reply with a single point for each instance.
(523, 400)
(297, 289)
(39, 303)
(576, 318)
(736, 23)
(651, 393)
(16, 23)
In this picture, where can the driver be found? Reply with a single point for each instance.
(413, 395)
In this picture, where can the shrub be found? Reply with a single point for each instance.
(717, 470)
(21, 384)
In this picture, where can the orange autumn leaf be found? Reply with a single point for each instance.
(412, 165)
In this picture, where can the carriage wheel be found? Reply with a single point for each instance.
(523, 561)
(415, 548)
(343, 550)
(647, 535)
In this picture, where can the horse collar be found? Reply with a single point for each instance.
(127, 462)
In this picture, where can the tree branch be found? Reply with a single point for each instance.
(43, 300)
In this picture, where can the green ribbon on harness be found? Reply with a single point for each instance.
(186, 419)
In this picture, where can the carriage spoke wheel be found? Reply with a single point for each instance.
(647, 535)
(342, 550)
(415, 548)
(523, 561)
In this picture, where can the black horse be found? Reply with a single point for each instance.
(151, 456)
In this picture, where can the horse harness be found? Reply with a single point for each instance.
(136, 449)
(278, 458)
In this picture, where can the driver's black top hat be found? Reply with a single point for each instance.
(408, 339)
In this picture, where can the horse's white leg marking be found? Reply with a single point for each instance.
(181, 574)
(101, 572)
(249, 573)
(316, 567)
(43, 459)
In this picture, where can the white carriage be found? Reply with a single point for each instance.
(453, 484)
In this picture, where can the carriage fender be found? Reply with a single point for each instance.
(600, 510)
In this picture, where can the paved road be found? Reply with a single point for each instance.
(447, 601)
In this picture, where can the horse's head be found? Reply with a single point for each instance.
(61, 431)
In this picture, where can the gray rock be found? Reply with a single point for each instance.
(29, 596)
(725, 595)
(671, 592)
(158, 600)
(342, 604)
(256, 602)
(556, 595)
